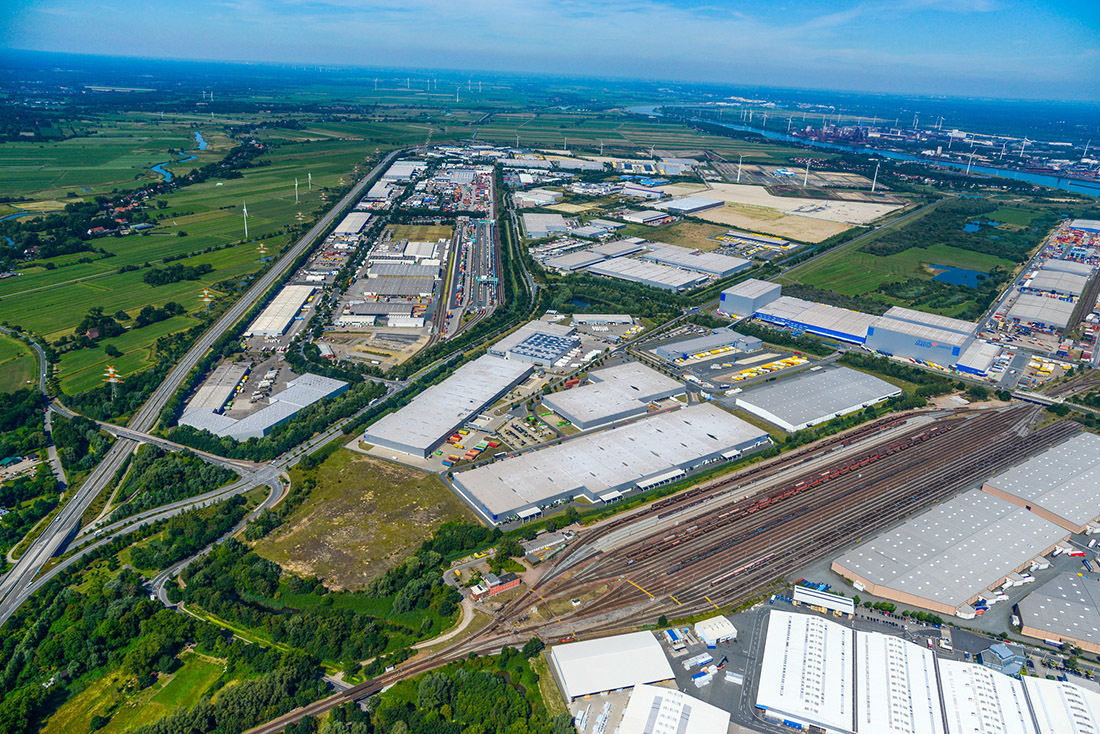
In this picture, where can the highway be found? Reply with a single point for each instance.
(18, 584)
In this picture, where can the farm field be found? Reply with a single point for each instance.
(106, 697)
(119, 153)
(422, 232)
(83, 369)
(364, 517)
(1011, 215)
(17, 364)
(51, 302)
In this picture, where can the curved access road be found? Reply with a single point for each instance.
(19, 583)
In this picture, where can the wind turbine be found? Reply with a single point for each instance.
(740, 157)
(245, 220)
(806, 178)
(1086, 153)
(310, 180)
(789, 121)
(874, 181)
(968, 162)
(1024, 146)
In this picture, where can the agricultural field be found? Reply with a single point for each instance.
(17, 364)
(422, 232)
(128, 710)
(1014, 216)
(364, 517)
(119, 152)
(51, 301)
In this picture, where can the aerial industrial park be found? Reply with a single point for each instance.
(346, 400)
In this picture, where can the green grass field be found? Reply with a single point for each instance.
(106, 696)
(364, 517)
(17, 364)
(1009, 215)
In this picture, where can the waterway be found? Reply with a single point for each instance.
(164, 173)
(1039, 179)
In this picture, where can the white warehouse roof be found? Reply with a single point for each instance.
(610, 663)
(656, 710)
(953, 551)
(274, 319)
(1062, 483)
(931, 319)
(614, 392)
(807, 671)
(713, 629)
(1062, 707)
(651, 274)
(980, 699)
(433, 414)
(896, 690)
(353, 223)
(815, 397)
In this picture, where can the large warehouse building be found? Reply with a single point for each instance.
(896, 687)
(1041, 313)
(1061, 485)
(274, 320)
(537, 342)
(1057, 283)
(945, 557)
(708, 263)
(806, 678)
(979, 699)
(433, 415)
(747, 297)
(219, 387)
(815, 397)
(609, 664)
(301, 392)
(538, 226)
(1065, 609)
(815, 678)
(613, 394)
(717, 341)
(656, 710)
(647, 273)
(817, 318)
(926, 337)
(601, 467)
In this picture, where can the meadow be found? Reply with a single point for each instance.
(17, 364)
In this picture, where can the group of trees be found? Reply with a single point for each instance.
(175, 273)
(21, 423)
(41, 487)
(80, 443)
(488, 695)
(188, 533)
(157, 477)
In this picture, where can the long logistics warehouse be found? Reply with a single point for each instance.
(821, 676)
(601, 467)
(815, 397)
(274, 320)
(615, 393)
(945, 557)
(434, 414)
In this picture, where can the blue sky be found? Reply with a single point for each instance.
(958, 47)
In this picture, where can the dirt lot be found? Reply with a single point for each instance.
(771, 221)
(364, 517)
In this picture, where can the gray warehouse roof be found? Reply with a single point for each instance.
(955, 550)
(618, 248)
(390, 286)
(502, 346)
(751, 288)
(609, 459)
(575, 260)
(434, 413)
(403, 270)
(1064, 480)
(931, 319)
(1056, 282)
(1033, 309)
(1067, 266)
(1067, 606)
(625, 388)
(657, 276)
(814, 397)
(714, 340)
(921, 331)
(219, 386)
(702, 262)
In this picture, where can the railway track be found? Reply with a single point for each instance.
(741, 558)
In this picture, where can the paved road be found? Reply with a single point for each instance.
(18, 584)
(51, 450)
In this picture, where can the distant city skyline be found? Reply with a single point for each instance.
(996, 48)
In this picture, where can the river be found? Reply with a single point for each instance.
(164, 173)
(1039, 179)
